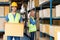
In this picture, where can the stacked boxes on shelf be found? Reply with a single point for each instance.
(1, 10)
(46, 13)
(6, 11)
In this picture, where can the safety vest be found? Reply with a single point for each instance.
(12, 19)
(32, 28)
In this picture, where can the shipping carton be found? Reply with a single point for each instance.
(14, 29)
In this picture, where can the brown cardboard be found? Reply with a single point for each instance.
(1, 0)
(47, 28)
(14, 29)
(1, 10)
(6, 11)
(56, 30)
(6, 0)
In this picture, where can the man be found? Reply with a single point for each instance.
(13, 17)
(32, 24)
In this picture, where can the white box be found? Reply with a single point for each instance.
(46, 12)
(58, 11)
(41, 14)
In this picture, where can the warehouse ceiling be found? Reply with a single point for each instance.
(20, 2)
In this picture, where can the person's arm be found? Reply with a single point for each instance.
(32, 22)
(21, 19)
(7, 19)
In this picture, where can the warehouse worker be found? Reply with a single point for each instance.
(32, 24)
(13, 17)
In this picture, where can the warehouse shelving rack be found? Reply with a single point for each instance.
(3, 4)
(50, 4)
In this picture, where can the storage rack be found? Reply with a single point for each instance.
(50, 4)
(3, 4)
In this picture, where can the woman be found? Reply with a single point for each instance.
(32, 24)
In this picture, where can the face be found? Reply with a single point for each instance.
(14, 9)
(32, 13)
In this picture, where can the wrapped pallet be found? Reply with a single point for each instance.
(1, 10)
(6, 11)
(46, 12)
(58, 11)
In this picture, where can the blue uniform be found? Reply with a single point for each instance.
(32, 22)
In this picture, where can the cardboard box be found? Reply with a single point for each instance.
(1, 0)
(51, 31)
(41, 14)
(1, 10)
(14, 29)
(6, 0)
(2, 21)
(42, 1)
(47, 26)
(58, 11)
(6, 11)
(57, 33)
(41, 28)
(46, 12)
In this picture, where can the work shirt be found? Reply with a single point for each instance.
(7, 19)
(32, 21)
